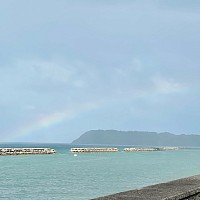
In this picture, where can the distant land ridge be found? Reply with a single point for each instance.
(114, 137)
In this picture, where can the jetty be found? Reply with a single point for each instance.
(90, 150)
(25, 151)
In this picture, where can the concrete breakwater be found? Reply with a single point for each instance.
(140, 149)
(150, 149)
(90, 150)
(25, 151)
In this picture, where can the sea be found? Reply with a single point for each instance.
(63, 176)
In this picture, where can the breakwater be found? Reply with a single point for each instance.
(90, 150)
(140, 149)
(181, 189)
(25, 151)
(150, 149)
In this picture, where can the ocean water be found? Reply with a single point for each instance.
(65, 177)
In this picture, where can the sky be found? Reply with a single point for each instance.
(69, 66)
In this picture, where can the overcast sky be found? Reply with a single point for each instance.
(69, 66)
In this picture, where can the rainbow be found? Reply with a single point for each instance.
(46, 121)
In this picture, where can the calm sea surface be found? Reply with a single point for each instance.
(65, 177)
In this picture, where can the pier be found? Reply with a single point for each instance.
(90, 150)
(25, 151)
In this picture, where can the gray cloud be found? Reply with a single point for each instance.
(124, 65)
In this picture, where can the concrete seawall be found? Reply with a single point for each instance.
(25, 151)
(181, 189)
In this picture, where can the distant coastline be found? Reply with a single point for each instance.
(137, 138)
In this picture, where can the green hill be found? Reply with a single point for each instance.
(114, 137)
